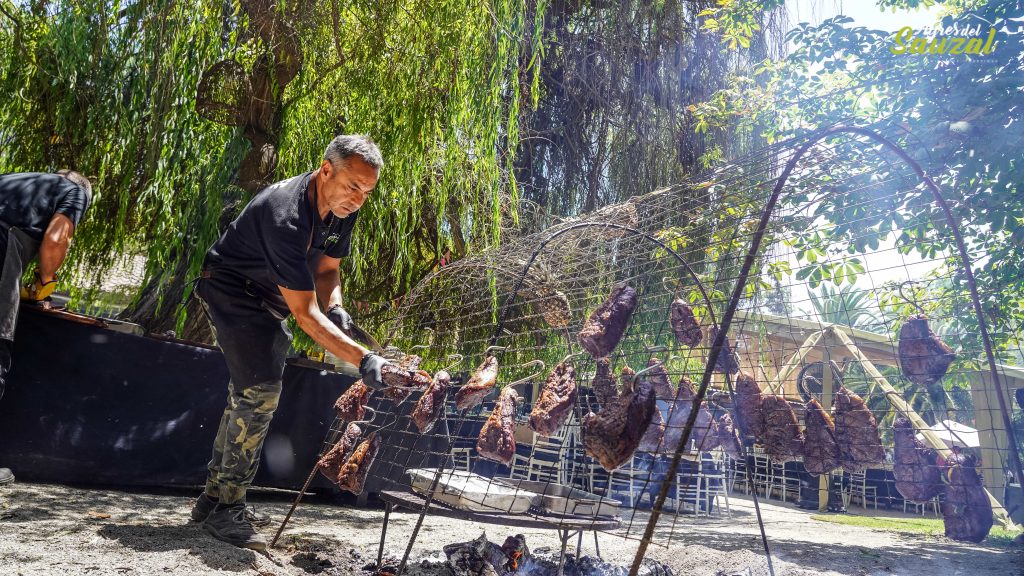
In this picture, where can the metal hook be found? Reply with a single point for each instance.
(366, 421)
(418, 346)
(499, 348)
(531, 376)
(653, 349)
(910, 301)
(636, 377)
(572, 355)
(458, 360)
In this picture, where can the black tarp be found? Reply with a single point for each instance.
(86, 404)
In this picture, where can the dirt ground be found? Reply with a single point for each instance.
(51, 529)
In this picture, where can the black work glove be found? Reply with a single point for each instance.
(341, 319)
(369, 370)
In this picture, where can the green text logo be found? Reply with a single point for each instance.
(907, 42)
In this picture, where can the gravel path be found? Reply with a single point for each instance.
(51, 529)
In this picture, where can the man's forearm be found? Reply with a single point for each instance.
(328, 290)
(51, 256)
(326, 334)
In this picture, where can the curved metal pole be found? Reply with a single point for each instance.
(748, 264)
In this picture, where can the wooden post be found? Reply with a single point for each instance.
(826, 403)
(897, 401)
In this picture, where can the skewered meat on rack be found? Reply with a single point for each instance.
(480, 384)
(684, 323)
(557, 398)
(703, 436)
(727, 437)
(821, 452)
(652, 439)
(749, 416)
(966, 510)
(856, 432)
(783, 440)
(612, 435)
(430, 406)
(350, 406)
(915, 465)
(497, 439)
(726, 360)
(659, 379)
(353, 474)
(397, 394)
(924, 358)
(606, 325)
(603, 384)
(405, 374)
(332, 462)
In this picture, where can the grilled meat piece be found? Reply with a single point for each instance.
(966, 510)
(749, 416)
(924, 358)
(556, 400)
(353, 474)
(684, 323)
(612, 435)
(783, 440)
(856, 432)
(686, 389)
(430, 406)
(652, 439)
(659, 379)
(603, 384)
(398, 394)
(480, 384)
(727, 437)
(705, 430)
(606, 325)
(497, 438)
(397, 377)
(350, 406)
(915, 465)
(726, 360)
(821, 452)
(331, 463)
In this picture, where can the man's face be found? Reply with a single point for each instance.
(347, 187)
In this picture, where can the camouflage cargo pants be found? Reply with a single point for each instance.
(255, 342)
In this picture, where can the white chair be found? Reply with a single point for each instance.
(462, 459)
(859, 489)
(922, 507)
(783, 483)
(714, 492)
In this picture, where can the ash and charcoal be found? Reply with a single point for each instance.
(480, 557)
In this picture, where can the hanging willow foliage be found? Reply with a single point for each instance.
(110, 87)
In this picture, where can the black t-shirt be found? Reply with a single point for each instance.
(277, 239)
(29, 200)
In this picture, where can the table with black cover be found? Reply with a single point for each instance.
(88, 403)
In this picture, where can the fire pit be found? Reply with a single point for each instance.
(567, 526)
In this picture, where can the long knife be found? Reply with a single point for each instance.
(362, 335)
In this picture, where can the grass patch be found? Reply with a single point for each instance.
(930, 526)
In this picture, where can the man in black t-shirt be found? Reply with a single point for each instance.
(39, 213)
(280, 256)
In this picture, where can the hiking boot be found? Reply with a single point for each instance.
(204, 505)
(6, 476)
(228, 523)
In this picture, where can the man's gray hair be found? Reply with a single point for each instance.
(78, 180)
(344, 147)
